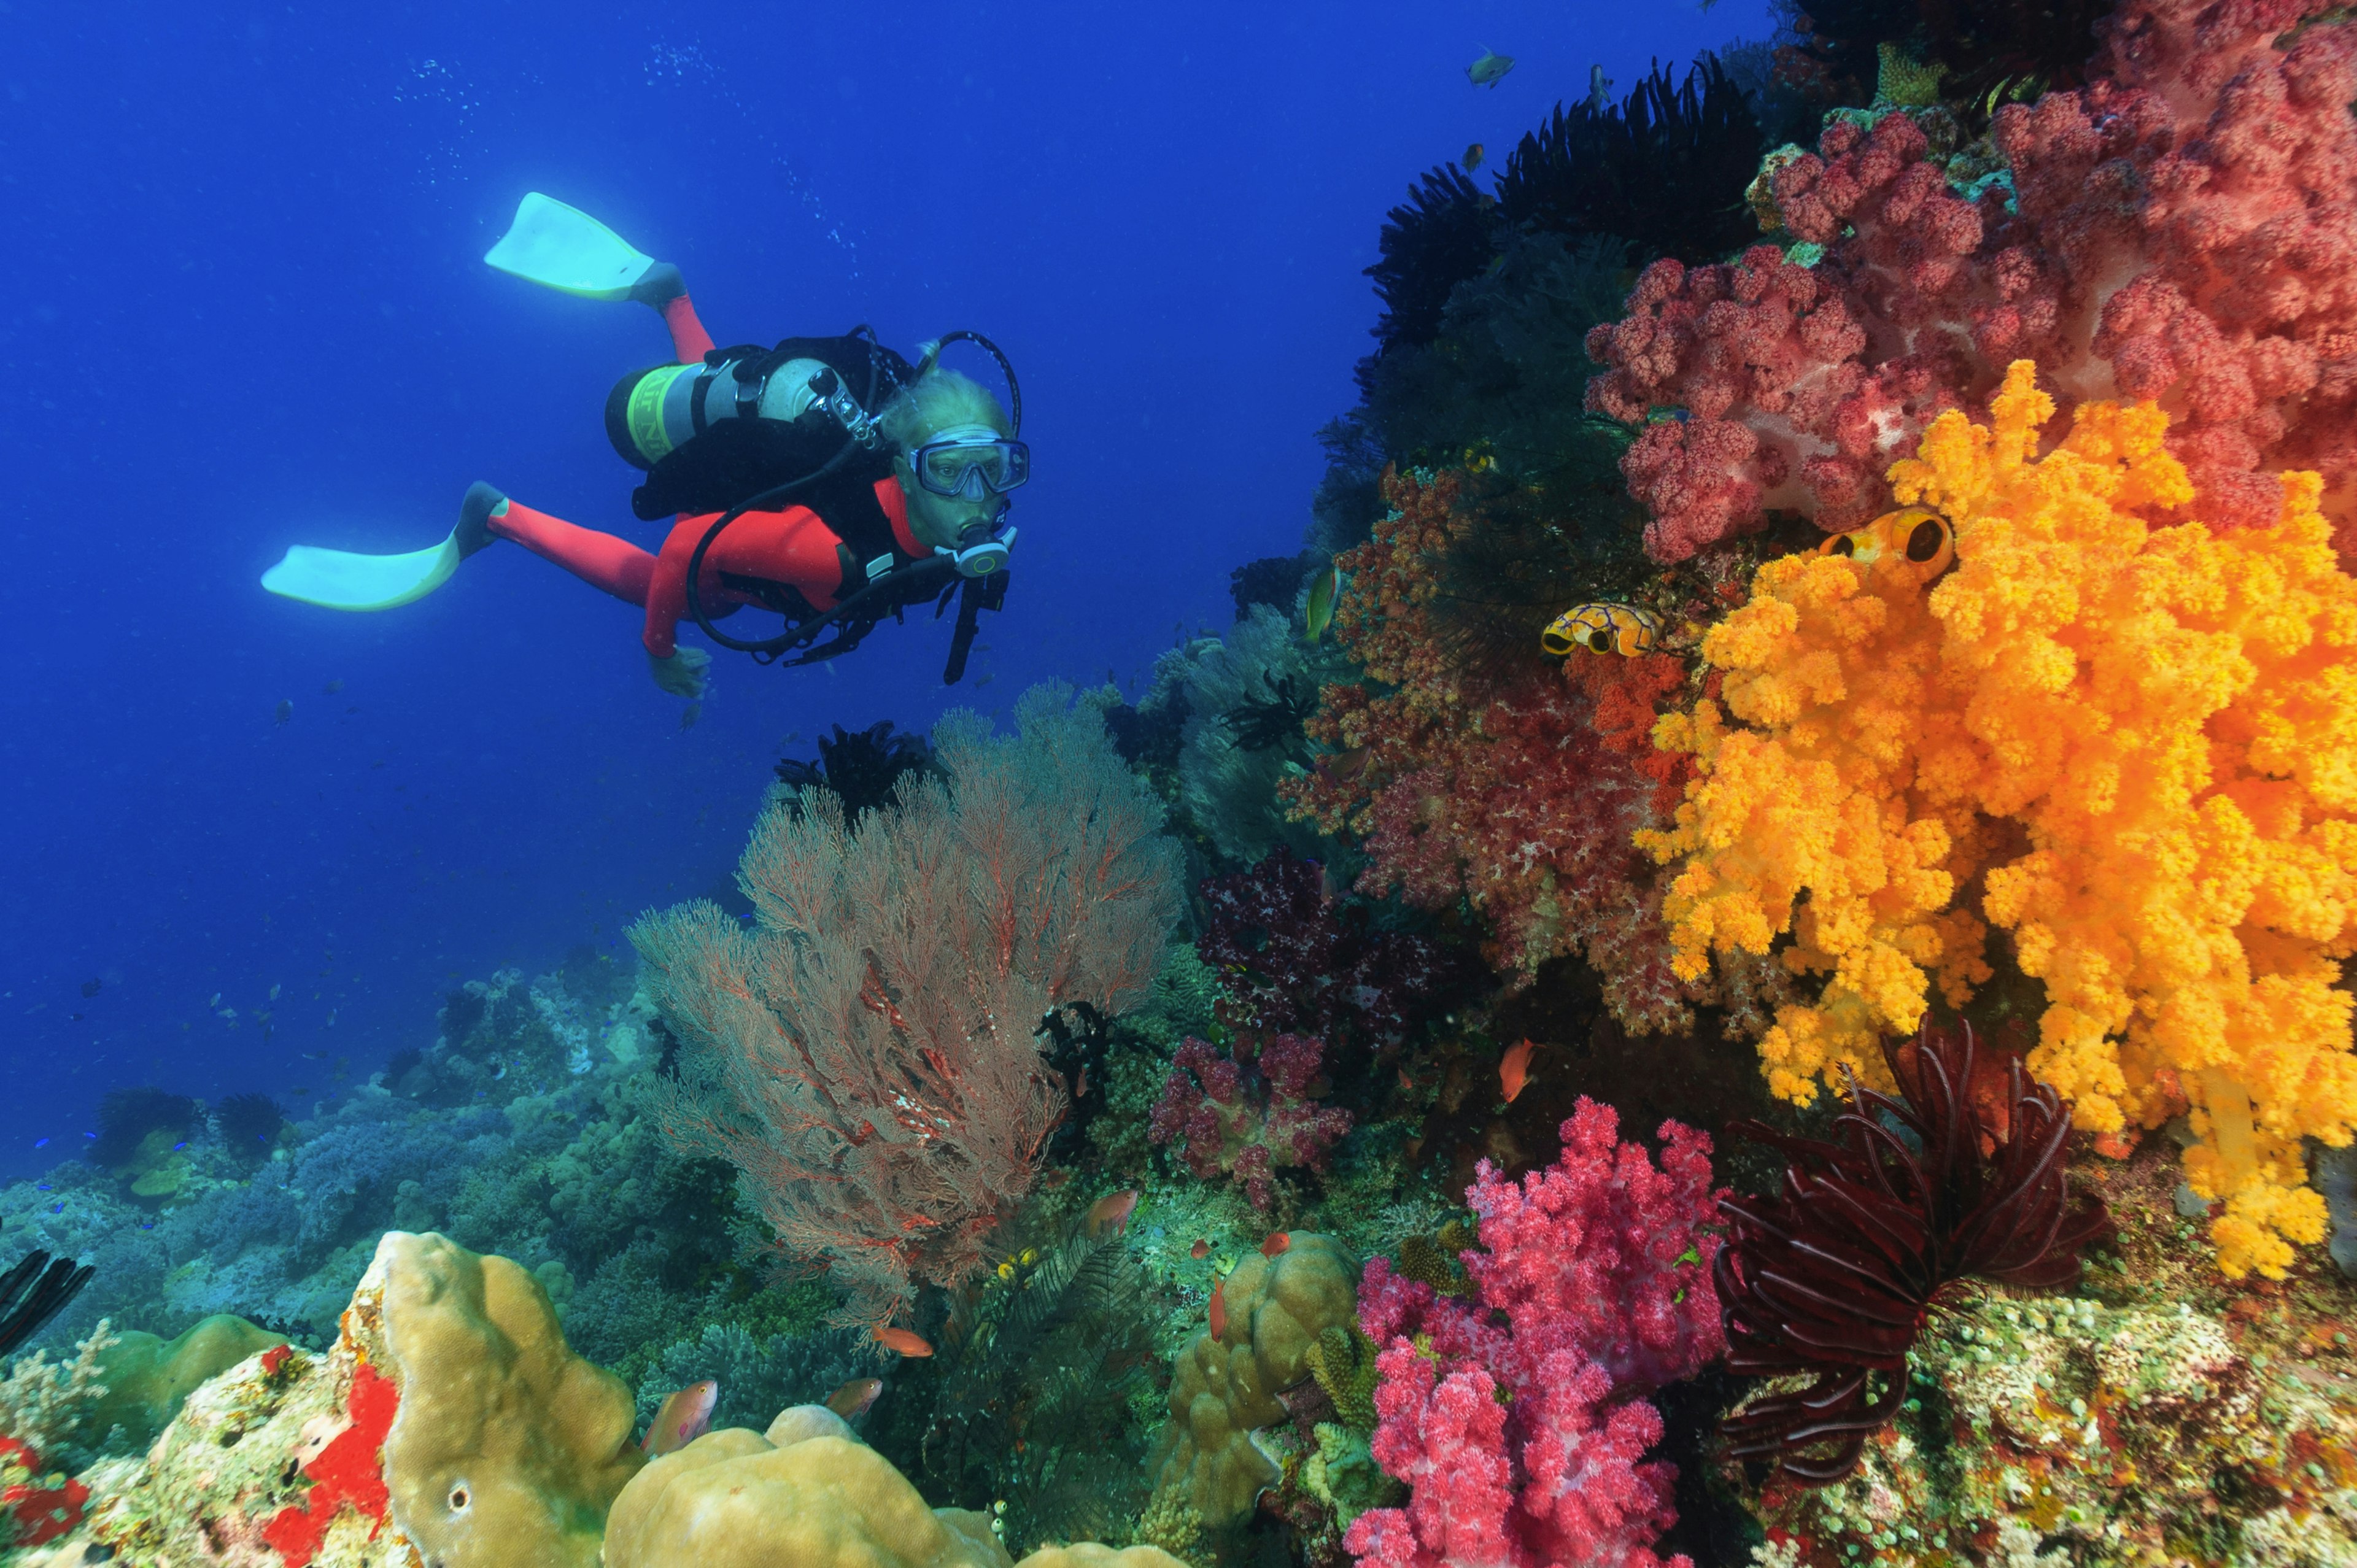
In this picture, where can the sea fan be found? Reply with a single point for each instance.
(1837, 1273)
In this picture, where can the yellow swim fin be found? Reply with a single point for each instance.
(340, 580)
(565, 249)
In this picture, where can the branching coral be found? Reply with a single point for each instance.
(1519, 1417)
(2187, 231)
(1246, 1116)
(2140, 739)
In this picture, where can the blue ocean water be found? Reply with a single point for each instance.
(247, 308)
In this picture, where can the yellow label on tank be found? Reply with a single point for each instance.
(647, 432)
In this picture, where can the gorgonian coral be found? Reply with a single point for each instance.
(2140, 739)
(2185, 229)
(1835, 1275)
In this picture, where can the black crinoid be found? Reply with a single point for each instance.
(35, 1291)
(128, 1116)
(1837, 1274)
(1989, 50)
(1263, 722)
(1442, 234)
(1665, 169)
(861, 768)
(249, 1123)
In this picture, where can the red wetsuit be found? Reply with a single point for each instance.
(793, 546)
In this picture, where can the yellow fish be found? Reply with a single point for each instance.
(1914, 542)
(1324, 593)
(1602, 628)
(1473, 159)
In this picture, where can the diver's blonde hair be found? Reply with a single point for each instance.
(941, 400)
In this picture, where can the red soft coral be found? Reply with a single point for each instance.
(1511, 799)
(2186, 231)
(1518, 1417)
(1228, 1118)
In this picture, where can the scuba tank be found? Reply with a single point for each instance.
(745, 419)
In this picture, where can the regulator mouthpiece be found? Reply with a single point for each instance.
(980, 551)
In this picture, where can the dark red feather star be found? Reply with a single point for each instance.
(1837, 1274)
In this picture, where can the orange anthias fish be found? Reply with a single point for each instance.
(901, 1341)
(855, 1398)
(684, 1417)
(1219, 1311)
(1515, 1071)
(1112, 1212)
(1278, 1241)
(1202, 1249)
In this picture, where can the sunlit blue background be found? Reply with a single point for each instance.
(244, 307)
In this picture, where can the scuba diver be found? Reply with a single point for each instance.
(825, 478)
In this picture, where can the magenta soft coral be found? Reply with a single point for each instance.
(2187, 231)
(1519, 1417)
(1228, 1118)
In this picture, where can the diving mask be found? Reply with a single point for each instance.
(970, 460)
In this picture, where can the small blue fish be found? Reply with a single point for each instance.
(40, 1142)
(1490, 68)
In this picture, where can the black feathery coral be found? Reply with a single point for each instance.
(126, 1117)
(1263, 724)
(1989, 50)
(1837, 1273)
(1441, 235)
(1665, 169)
(247, 1122)
(35, 1291)
(861, 768)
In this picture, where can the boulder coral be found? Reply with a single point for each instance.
(2131, 746)
(1224, 1384)
(449, 1424)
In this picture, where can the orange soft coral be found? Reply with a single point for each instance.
(1836, 674)
(2168, 716)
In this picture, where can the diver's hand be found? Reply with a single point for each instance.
(682, 674)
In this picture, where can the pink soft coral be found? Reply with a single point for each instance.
(1524, 1439)
(2186, 232)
